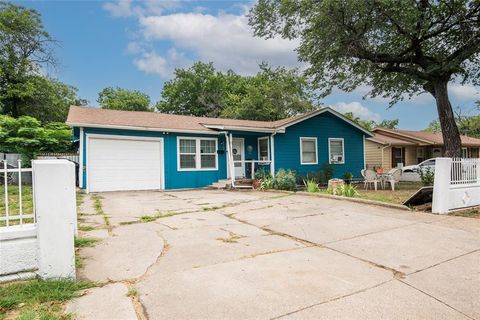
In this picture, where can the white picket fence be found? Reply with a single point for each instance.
(457, 184)
(68, 156)
(18, 217)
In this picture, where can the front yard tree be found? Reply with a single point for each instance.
(123, 99)
(24, 47)
(398, 48)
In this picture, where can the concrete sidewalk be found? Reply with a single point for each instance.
(228, 254)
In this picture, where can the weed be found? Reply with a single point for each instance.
(85, 228)
(311, 185)
(85, 242)
(232, 238)
(132, 292)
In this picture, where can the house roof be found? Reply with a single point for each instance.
(155, 121)
(409, 137)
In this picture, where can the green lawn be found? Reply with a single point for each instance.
(402, 192)
(38, 299)
(14, 203)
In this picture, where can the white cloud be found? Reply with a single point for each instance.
(134, 48)
(464, 92)
(225, 39)
(357, 109)
(128, 8)
(153, 63)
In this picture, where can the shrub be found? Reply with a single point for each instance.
(262, 174)
(311, 185)
(345, 190)
(427, 176)
(285, 180)
(266, 183)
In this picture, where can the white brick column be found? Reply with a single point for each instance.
(441, 186)
(55, 206)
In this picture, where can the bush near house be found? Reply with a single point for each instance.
(27, 136)
(321, 177)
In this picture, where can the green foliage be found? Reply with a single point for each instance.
(397, 48)
(262, 174)
(39, 291)
(311, 185)
(327, 172)
(467, 125)
(25, 47)
(344, 190)
(371, 124)
(202, 91)
(27, 136)
(347, 176)
(285, 180)
(266, 184)
(85, 242)
(123, 99)
(427, 175)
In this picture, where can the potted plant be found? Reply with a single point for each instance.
(347, 177)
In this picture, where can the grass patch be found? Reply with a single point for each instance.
(468, 213)
(132, 292)
(85, 228)
(232, 238)
(14, 203)
(85, 242)
(79, 261)
(97, 204)
(213, 208)
(402, 192)
(156, 216)
(39, 299)
(80, 198)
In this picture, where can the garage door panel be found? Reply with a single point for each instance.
(116, 165)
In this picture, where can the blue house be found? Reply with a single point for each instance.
(124, 150)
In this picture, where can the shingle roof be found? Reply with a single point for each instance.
(155, 120)
(92, 117)
(383, 139)
(435, 138)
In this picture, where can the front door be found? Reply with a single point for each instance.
(238, 155)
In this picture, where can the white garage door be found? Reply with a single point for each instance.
(115, 164)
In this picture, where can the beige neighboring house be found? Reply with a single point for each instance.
(392, 148)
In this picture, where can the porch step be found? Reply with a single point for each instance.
(222, 184)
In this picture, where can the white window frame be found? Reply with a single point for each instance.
(268, 147)
(466, 152)
(198, 154)
(330, 154)
(301, 150)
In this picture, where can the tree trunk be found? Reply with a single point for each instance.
(450, 133)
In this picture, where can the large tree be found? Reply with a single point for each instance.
(372, 124)
(398, 47)
(271, 94)
(26, 48)
(123, 99)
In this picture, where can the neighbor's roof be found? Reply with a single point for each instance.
(383, 139)
(393, 136)
(155, 121)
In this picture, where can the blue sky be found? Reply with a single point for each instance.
(137, 45)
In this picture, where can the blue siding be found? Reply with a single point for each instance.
(174, 179)
(323, 126)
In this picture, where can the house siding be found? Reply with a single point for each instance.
(373, 154)
(174, 179)
(322, 127)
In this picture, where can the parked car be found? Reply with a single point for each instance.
(430, 163)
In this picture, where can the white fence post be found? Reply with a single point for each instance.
(55, 205)
(441, 186)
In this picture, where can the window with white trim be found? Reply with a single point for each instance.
(308, 151)
(197, 154)
(263, 149)
(336, 151)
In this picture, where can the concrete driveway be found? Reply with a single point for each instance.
(261, 255)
